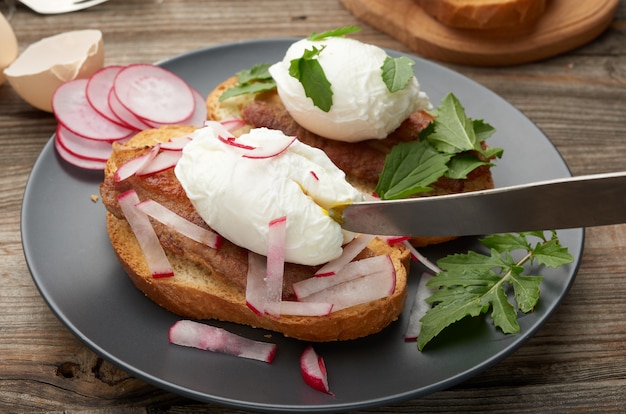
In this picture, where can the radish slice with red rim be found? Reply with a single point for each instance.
(277, 147)
(72, 109)
(127, 117)
(419, 307)
(210, 338)
(163, 161)
(139, 222)
(183, 226)
(176, 144)
(154, 94)
(350, 251)
(233, 124)
(197, 118)
(130, 167)
(313, 370)
(81, 147)
(97, 92)
(276, 259)
(420, 258)
(88, 164)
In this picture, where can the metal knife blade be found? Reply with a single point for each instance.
(583, 201)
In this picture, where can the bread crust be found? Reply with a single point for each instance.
(485, 14)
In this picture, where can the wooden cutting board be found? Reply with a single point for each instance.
(565, 25)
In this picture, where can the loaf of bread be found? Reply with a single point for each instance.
(207, 282)
(485, 14)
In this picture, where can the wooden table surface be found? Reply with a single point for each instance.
(575, 363)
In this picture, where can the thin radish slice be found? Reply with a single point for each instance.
(97, 92)
(83, 147)
(164, 160)
(154, 254)
(210, 338)
(197, 118)
(313, 370)
(131, 167)
(418, 308)
(350, 251)
(72, 109)
(127, 117)
(277, 147)
(350, 271)
(354, 292)
(256, 289)
(287, 307)
(420, 258)
(275, 260)
(181, 225)
(391, 240)
(176, 144)
(233, 124)
(154, 94)
(80, 162)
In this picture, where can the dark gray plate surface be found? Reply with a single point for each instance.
(76, 271)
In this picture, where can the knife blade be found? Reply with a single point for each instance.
(583, 201)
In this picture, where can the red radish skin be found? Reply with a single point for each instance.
(350, 251)
(232, 141)
(139, 222)
(87, 164)
(278, 147)
(72, 109)
(97, 92)
(181, 225)
(127, 117)
(154, 94)
(313, 370)
(82, 147)
(210, 338)
(176, 144)
(233, 124)
(163, 161)
(130, 168)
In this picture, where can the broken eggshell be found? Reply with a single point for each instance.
(8, 46)
(52, 61)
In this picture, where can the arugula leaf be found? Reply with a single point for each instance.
(471, 284)
(410, 168)
(342, 31)
(309, 72)
(254, 80)
(397, 72)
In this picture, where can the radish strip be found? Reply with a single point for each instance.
(277, 147)
(276, 259)
(314, 371)
(164, 160)
(210, 338)
(256, 290)
(350, 271)
(131, 167)
(181, 225)
(72, 109)
(77, 161)
(233, 124)
(287, 307)
(176, 144)
(418, 308)
(420, 258)
(350, 251)
(154, 94)
(154, 254)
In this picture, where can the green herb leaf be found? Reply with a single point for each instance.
(453, 130)
(249, 81)
(342, 31)
(472, 283)
(410, 168)
(397, 72)
(463, 164)
(309, 72)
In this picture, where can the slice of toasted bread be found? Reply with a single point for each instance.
(485, 14)
(197, 291)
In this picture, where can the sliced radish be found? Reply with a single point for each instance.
(197, 118)
(350, 271)
(350, 251)
(210, 338)
(313, 370)
(287, 307)
(97, 92)
(418, 308)
(354, 292)
(82, 147)
(181, 225)
(256, 289)
(130, 168)
(72, 109)
(391, 240)
(128, 118)
(232, 141)
(233, 124)
(276, 147)
(164, 160)
(88, 164)
(275, 260)
(176, 144)
(420, 258)
(154, 254)
(154, 94)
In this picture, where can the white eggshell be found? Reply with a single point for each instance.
(8, 46)
(46, 64)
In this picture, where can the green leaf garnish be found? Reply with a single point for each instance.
(471, 284)
(309, 72)
(254, 80)
(342, 31)
(397, 72)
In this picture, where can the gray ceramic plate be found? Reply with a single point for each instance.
(76, 271)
